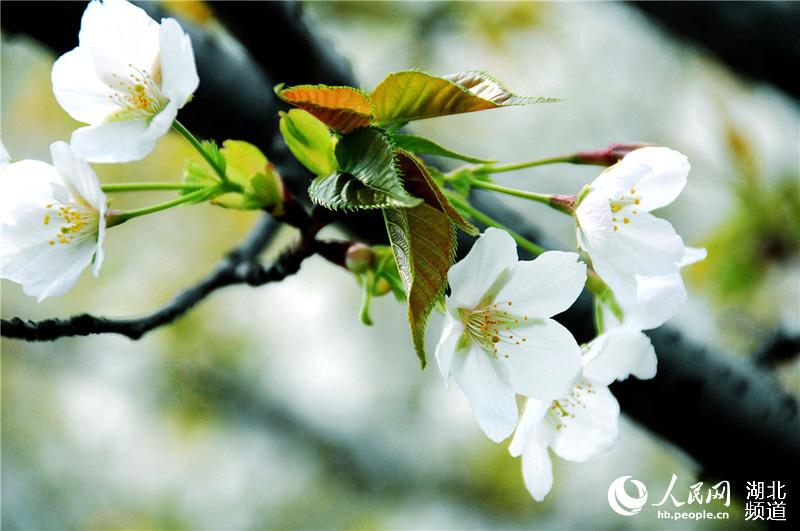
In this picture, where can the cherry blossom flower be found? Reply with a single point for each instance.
(53, 222)
(584, 422)
(498, 339)
(615, 226)
(127, 79)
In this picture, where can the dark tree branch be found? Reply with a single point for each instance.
(710, 404)
(780, 349)
(240, 266)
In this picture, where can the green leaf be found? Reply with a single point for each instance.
(367, 178)
(419, 183)
(243, 160)
(254, 180)
(202, 173)
(413, 95)
(421, 145)
(195, 173)
(264, 190)
(424, 245)
(211, 148)
(257, 178)
(343, 109)
(310, 141)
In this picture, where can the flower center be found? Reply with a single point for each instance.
(75, 222)
(138, 94)
(561, 411)
(624, 207)
(489, 325)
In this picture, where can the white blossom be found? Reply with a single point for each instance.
(127, 79)
(585, 422)
(53, 222)
(498, 339)
(615, 226)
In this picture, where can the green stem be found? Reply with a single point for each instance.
(185, 133)
(598, 316)
(568, 159)
(367, 282)
(547, 199)
(145, 187)
(523, 242)
(603, 293)
(121, 217)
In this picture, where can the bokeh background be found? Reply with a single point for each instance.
(274, 407)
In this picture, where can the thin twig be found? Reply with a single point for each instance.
(239, 266)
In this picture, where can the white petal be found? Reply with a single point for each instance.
(665, 172)
(616, 275)
(595, 225)
(543, 359)
(99, 253)
(27, 181)
(616, 180)
(178, 70)
(5, 158)
(78, 89)
(65, 277)
(692, 255)
(43, 270)
(484, 381)
(592, 426)
(118, 34)
(537, 469)
(122, 141)
(529, 425)
(618, 353)
(451, 333)
(658, 299)
(646, 246)
(26, 228)
(649, 244)
(545, 286)
(79, 174)
(492, 253)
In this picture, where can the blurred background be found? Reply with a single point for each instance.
(274, 407)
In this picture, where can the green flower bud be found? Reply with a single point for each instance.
(359, 258)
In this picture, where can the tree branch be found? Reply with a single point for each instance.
(240, 266)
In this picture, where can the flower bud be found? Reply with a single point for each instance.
(359, 258)
(381, 287)
(564, 203)
(608, 156)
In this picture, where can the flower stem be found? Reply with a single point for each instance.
(479, 216)
(568, 159)
(598, 316)
(366, 298)
(122, 216)
(146, 187)
(603, 293)
(559, 202)
(185, 133)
